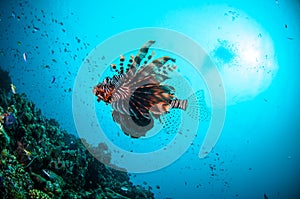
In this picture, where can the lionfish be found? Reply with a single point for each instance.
(136, 92)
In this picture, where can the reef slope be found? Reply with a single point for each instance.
(40, 160)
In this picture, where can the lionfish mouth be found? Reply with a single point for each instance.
(137, 93)
(103, 92)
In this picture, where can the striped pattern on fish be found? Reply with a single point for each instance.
(136, 92)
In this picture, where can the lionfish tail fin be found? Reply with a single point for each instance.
(181, 104)
(198, 108)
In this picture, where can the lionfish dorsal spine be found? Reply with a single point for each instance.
(142, 53)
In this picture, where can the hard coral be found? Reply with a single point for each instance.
(35, 193)
(15, 179)
(9, 120)
(40, 160)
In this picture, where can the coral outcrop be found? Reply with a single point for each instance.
(40, 160)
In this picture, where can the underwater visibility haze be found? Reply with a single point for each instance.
(164, 99)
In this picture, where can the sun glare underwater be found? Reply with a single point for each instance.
(169, 100)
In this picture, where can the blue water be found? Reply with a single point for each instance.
(258, 150)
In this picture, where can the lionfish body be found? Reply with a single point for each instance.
(137, 94)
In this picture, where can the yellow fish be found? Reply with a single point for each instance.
(27, 152)
(13, 88)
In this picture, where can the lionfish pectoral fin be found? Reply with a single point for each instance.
(141, 121)
(181, 104)
(130, 126)
(140, 118)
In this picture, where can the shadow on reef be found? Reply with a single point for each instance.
(5, 80)
(40, 160)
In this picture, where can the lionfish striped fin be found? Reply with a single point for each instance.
(162, 60)
(152, 97)
(153, 73)
(158, 66)
(121, 69)
(132, 126)
(121, 106)
(149, 57)
(142, 53)
(116, 80)
(114, 68)
(181, 104)
(122, 59)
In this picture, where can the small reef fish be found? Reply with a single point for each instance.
(25, 57)
(28, 153)
(13, 88)
(124, 188)
(53, 79)
(13, 15)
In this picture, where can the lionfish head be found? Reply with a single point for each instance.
(104, 91)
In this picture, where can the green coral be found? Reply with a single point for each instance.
(4, 138)
(17, 195)
(40, 160)
(37, 194)
(16, 180)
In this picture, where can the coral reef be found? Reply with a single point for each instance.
(40, 160)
